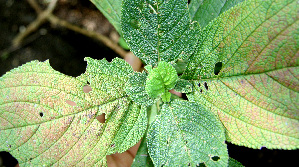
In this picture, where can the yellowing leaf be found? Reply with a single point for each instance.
(47, 119)
(255, 91)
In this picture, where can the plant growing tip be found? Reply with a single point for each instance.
(160, 80)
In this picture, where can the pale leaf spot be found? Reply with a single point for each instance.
(87, 89)
(69, 102)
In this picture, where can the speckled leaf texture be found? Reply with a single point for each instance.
(158, 30)
(135, 88)
(185, 134)
(204, 11)
(255, 94)
(142, 158)
(160, 80)
(111, 9)
(47, 119)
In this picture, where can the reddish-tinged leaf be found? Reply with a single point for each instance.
(48, 118)
(248, 65)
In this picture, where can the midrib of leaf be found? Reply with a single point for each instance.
(164, 33)
(104, 128)
(183, 137)
(244, 76)
(259, 127)
(236, 111)
(159, 30)
(245, 39)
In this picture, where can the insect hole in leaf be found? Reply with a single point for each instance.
(101, 118)
(215, 158)
(218, 67)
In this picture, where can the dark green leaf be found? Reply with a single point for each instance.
(204, 11)
(135, 88)
(183, 86)
(159, 30)
(142, 158)
(186, 134)
(234, 163)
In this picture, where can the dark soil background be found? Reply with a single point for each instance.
(66, 50)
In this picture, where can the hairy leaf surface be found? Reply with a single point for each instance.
(204, 11)
(158, 30)
(160, 80)
(111, 9)
(135, 88)
(142, 157)
(255, 93)
(48, 119)
(185, 134)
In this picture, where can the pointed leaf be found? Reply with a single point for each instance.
(234, 163)
(204, 11)
(158, 30)
(48, 119)
(111, 9)
(185, 134)
(255, 93)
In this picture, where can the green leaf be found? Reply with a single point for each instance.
(185, 134)
(48, 119)
(255, 94)
(183, 86)
(142, 157)
(234, 163)
(158, 30)
(111, 9)
(180, 66)
(135, 88)
(160, 80)
(204, 11)
(123, 43)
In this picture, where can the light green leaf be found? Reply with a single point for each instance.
(160, 80)
(204, 11)
(135, 88)
(111, 9)
(123, 43)
(158, 30)
(48, 119)
(255, 94)
(234, 163)
(185, 134)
